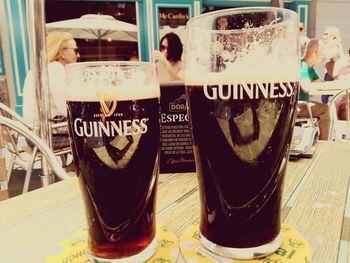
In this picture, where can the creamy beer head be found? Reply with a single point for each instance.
(115, 81)
(257, 45)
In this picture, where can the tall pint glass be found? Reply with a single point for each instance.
(113, 113)
(242, 72)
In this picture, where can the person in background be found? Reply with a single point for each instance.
(170, 67)
(61, 50)
(341, 104)
(333, 53)
(336, 65)
(308, 77)
(303, 39)
(222, 23)
(134, 56)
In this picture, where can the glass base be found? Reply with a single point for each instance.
(140, 257)
(243, 253)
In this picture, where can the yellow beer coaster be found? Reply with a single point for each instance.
(74, 248)
(294, 249)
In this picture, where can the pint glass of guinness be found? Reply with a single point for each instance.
(113, 112)
(242, 71)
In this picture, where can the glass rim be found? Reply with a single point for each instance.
(239, 10)
(126, 64)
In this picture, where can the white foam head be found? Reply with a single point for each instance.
(118, 80)
(267, 53)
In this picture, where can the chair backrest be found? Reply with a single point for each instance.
(15, 126)
(307, 105)
(9, 113)
(339, 127)
(11, 139)
(56, 127)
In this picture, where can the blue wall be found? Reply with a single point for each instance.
(17, 35)
(303, 9)
(2, 66)
(143, 29)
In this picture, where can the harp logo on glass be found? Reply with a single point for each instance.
(107, 106)
(241, 91)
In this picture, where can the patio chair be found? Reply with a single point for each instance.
(22, 155)
(310, 120)
(10, 127)
(340, 129)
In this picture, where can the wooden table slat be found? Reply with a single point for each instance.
(323, 199)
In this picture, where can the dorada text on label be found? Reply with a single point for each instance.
(178, 105)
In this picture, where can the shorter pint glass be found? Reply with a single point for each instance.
(242, 72)
(113, 113)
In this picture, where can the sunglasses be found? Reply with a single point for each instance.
(162, 47)
(75, 49)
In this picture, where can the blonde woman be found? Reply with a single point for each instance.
(61, 50)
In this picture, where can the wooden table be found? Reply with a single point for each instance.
(330, 92)
(315, 202)
(328, 87)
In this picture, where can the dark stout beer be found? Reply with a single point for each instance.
(241, 135)
(241, 81)
(116, 155)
